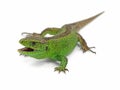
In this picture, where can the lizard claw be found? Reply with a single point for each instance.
(23, 55)
(88, 49)
(61, 69)
(91, 47)
(25, 33)
(91, 50)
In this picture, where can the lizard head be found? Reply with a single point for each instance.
(34, 46)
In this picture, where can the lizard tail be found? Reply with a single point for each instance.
(80, 24)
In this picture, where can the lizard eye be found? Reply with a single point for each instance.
(33, 43)
(46, 48)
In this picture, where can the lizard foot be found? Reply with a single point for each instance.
(91, 50)
(61, 69)
(88, 49)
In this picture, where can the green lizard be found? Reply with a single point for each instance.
(58, 46)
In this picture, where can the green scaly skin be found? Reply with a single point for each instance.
(58, 46)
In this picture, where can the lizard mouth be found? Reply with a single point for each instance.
(26, 49)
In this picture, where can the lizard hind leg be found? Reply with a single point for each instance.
(84, 45)
(51, 31)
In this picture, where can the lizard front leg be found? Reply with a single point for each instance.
(52, 31)
(63, 62)
(84, 45)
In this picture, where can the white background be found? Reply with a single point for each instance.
(86, 71)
